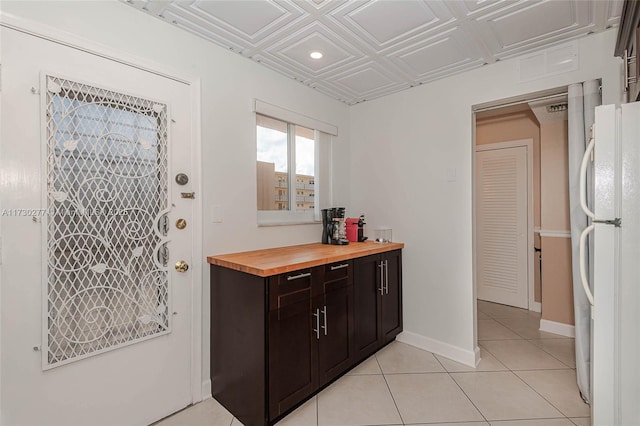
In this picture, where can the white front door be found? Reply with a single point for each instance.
(96, 320)
(501, 226)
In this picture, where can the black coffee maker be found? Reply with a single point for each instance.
(334, 226)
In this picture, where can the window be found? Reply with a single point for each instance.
(282, 147)
(293, 163)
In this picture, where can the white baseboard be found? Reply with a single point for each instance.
(476, 351)
(536, 307)
(470, 358)
(557, 328)
(206, 389)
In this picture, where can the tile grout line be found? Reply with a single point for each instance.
(566, 367)
(541, 396)
(552, 355)
(493, 355)
(537, 347)
(482, 348)
(509, 328)
(522, 380)
(468, 398)
(560, 337)
(570, 419)
(384, 377)
(461, 390)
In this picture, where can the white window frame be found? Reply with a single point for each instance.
(322, 176)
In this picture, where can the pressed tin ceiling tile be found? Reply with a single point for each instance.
(373, 48)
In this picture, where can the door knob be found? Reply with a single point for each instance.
(182, 266)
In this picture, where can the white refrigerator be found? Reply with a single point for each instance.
(614, 285)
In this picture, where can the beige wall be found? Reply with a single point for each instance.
(554, 177)
(557, 293)
(557, 282)
(509, 127)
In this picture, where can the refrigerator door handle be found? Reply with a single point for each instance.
(583, 272)
(617, 222)
(583, 178)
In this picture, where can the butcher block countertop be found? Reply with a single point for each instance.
(279, 260)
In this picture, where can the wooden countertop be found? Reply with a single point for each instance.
(279, 260)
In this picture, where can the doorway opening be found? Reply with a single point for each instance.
(522, 240)
(528, 267)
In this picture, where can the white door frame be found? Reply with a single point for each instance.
(193, 81)
(527, 143)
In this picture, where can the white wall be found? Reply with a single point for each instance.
(405, 147)
(229, 83)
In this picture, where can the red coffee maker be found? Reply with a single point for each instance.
(355, 229)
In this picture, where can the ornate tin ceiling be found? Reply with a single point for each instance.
(376, 47)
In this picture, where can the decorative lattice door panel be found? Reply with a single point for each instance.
(107, 283)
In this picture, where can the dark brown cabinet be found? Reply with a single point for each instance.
(276, 340)
(310, 332)
(377, 301)
(335, 318)
(292, 343)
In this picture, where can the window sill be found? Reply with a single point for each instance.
(286, 217)
(266, 224)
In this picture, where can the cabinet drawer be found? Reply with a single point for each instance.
(338, 270)
(289, 288)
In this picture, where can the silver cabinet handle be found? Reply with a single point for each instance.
(324, 312)
(386, 277)
(297, 277)
(344, 265)
(381, 289)
(317, 329)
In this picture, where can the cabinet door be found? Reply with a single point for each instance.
(293, 348)
(335, 346)
(366, 306)
(392, 296)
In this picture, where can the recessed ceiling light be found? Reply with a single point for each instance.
(316, 55)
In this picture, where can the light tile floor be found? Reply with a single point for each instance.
(525, 378)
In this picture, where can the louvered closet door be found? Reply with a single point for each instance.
(501, 248)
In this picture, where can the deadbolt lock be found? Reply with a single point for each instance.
(181, 223)
(182, 179)
(182, 266)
